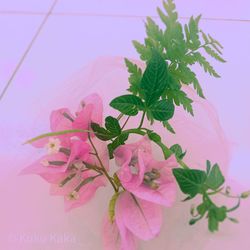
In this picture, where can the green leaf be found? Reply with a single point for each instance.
(213, 54)
(162, 110)
(194, 40)
(204, 36)
(145, 53)
(216, 215)
(184, 74)
(215, 178)
(101, 133)
(170, 9)
(190, 181)
(208, 166)
(153, 30)
(154, 80)
(213, 224)
(206, 65)
(180, 98)
(215, 41)
(154, 136)
(168, 126)
(177, 150)
(112, 125)
(135, 77)
(203, 208)
(120, 140)
(127, 104)
(198, 88)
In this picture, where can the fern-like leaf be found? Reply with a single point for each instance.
(213, 54)
(206, 65)
(180, 98)
(135, 76)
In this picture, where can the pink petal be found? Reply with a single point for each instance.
(123, 155)
(110, 235)
(136, 179)
(143, 144)
(165, 195)
(127, 239)
(79, 150)
(86, 193)
(97, 112)
(83, 121)
(38, 167)
(40, 143)
(58, 122)
(143, 218)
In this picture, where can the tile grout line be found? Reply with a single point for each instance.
(89, 14)
(26, 52)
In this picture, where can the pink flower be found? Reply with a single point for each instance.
(90, 110)
(134, 219)
(70, 171)
(60, 161)
(68, 164)
(145, 177)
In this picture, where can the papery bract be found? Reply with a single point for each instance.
(134, 218)
(145, 177)
(115, 238)
(90, 110)
(52, 164)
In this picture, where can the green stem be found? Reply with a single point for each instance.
(229, 196)
(235, 207)
(119, 117)
(142, 119)
(125, 123)
(200, 47)
(56, 133)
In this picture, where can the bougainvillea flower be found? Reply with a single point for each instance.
(78, 185)
(72, 171)
(134, 218)
(90, 110)
(59, 161)
(145, 177)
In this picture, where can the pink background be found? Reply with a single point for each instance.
(30, 218)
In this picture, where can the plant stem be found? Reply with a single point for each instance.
(102, 166)
(56, 133)
(201, 46)
(125, 123)
(119, 117)
(142, 119)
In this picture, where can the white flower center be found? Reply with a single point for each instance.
(53, 146)
(45, 163)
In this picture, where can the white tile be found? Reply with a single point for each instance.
(213, 8)
(16, 34)
(25, 5)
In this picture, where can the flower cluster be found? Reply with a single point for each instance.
(75, 164)
(69, 163)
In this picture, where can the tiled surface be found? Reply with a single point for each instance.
(25, 5)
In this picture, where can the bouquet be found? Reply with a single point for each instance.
(80, 146)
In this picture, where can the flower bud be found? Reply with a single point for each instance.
(245, 195)
(73, 196)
